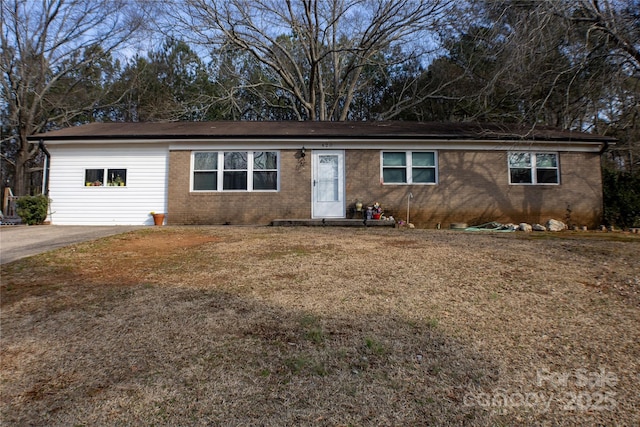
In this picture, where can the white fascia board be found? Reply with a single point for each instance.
(386, 144)
(342, 144)
(98, 143)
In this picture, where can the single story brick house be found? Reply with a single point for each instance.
(254, 172)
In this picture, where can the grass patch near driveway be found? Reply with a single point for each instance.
(294, 326)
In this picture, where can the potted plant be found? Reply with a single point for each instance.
(376, 211)
(158, 218)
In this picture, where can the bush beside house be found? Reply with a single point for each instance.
(33, 209)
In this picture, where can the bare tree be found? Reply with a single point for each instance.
(43, 45)
(609, 32)
(315, 51)
(610, 23)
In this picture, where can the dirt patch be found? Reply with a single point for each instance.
(151, 244)
(267, 326)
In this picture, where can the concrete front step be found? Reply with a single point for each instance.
(331, 222)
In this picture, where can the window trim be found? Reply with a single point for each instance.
(534, 167)
(105, 177)
(408, 167)
(249, 170)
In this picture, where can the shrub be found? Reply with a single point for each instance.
(621, 198)
(33, 209)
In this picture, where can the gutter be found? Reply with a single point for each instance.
(47, 162)
(605, 147)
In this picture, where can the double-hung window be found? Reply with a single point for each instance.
(235, 170)
(533, 168)
(409, 167)
(265, 170)
(205, 171)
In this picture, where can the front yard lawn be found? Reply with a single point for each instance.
(294, 326)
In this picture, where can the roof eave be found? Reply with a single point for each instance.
(157, 138)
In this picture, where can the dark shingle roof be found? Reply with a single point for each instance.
(309, 129)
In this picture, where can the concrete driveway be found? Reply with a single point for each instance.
(22, 241)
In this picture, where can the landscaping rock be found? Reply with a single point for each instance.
(538, 227)
(555, 225)
(525, 227)
(458, 225)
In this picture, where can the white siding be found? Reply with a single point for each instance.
(73, 203)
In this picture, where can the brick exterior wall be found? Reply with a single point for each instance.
(292, 201)
(473, 187)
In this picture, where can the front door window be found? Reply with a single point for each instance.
(328, 178)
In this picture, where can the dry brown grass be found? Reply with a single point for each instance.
(267, 326)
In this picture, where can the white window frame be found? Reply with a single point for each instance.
(250, 170)
(534, 167)
(106, 182)
(409, 167)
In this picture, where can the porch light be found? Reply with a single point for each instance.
(302, 151)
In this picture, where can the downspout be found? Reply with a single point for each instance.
(47, 161)
(605, 147)
(45, 175)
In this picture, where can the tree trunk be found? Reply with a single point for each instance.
(20, 179)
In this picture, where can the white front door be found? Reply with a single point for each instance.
(328, 184)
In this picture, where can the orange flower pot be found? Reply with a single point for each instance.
(158, 218)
